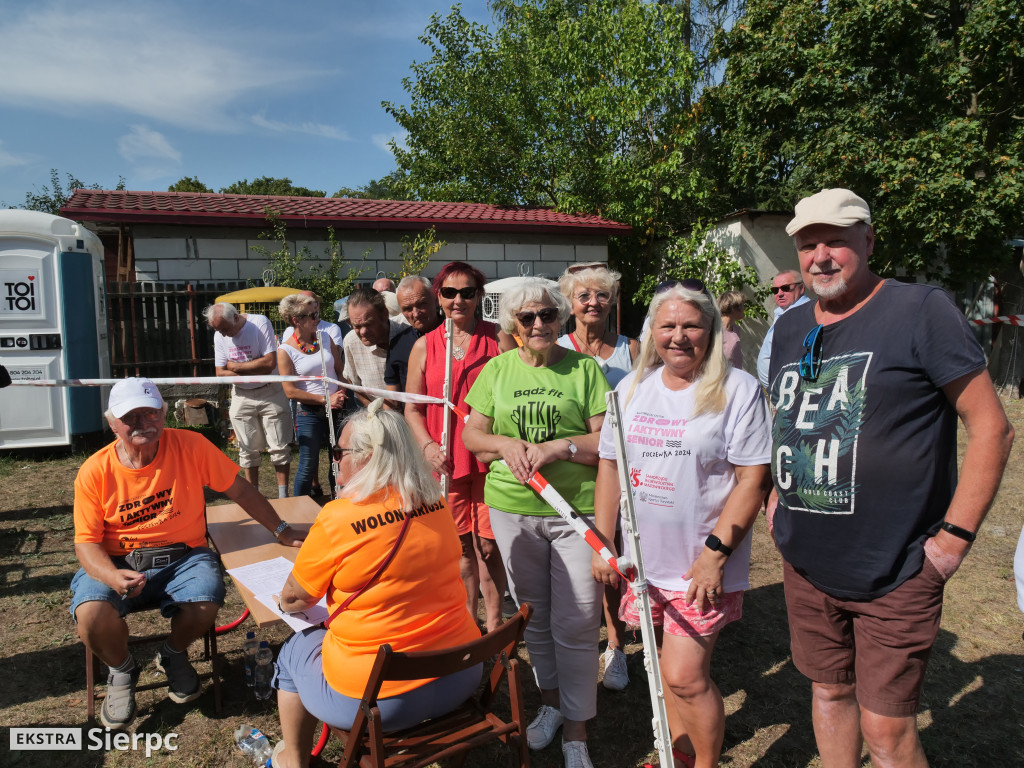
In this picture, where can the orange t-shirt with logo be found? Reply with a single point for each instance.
(417, 604)
(158, 505)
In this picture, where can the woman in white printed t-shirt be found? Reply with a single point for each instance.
(698, 446)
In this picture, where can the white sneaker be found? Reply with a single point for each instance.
(616, 673)
(545, 725)
(576, 755)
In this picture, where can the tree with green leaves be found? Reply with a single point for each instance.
(390, 187)
(265, 185)
(51, 198)
(915, 106)
(581, 106)
(186, 184)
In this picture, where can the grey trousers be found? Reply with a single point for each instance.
(548, 566)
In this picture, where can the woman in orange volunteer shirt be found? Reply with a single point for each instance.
(416, 603)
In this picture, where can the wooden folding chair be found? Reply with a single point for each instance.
(450, 736)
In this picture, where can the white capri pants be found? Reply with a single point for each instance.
(261, 418)
(548, 566)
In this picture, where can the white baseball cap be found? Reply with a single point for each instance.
(838, 207)
(129, 394)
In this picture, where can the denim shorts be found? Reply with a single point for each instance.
(195, 578)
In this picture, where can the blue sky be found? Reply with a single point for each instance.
(223, 90)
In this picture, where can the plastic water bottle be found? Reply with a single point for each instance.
(253, 743)
(264, 672)
(249, 655)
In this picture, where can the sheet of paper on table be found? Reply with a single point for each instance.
(266, 579)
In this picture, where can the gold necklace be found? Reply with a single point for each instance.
(588, 347)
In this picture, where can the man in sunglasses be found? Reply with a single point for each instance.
(788, 292)
(420, 309)
(867, 384)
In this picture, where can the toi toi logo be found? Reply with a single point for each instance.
(20, 296)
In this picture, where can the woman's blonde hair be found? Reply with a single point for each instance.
(295, 304)
(712, 372)
(382, 439)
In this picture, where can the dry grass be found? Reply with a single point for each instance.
(971, 715)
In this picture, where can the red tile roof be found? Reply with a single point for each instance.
(124, 207)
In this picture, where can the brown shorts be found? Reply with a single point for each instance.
(466, 502)
(882, 645)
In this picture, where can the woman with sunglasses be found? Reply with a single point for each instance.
(414, 602)
(698, 447)
(540, 408)
(300, 355)
(459, 289)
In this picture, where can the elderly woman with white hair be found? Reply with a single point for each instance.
(390, 511)
(541, 407)
(592, 290)
(701, 464)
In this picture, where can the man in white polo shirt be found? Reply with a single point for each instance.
(245, 345)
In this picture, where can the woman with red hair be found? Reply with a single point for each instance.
(459, 289)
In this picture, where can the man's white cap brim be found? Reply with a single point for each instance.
(837, 207)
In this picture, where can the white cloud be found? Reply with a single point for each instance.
(7, 160)
(144, 142)
(380, 140)
(152, 60)
(309, 129)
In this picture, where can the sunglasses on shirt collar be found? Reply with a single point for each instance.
(810, 363)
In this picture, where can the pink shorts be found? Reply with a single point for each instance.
(466, 502)
(670, 610)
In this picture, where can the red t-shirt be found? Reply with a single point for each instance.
(480, 347)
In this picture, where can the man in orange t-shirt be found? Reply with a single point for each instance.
(140, 530)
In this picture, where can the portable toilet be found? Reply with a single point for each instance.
(53, 325)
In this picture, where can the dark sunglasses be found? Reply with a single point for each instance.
(690, 284)
(314, 315)
(339, 453)
(810, 363)
(787, 287)
(548, 315)
(467, 293)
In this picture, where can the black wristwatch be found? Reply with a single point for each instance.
(960, 533)
(715, 545)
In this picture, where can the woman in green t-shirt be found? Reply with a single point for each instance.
(541, 406)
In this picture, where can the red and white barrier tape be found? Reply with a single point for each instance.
(404, 397)
(580, 524)
(1008, 319)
